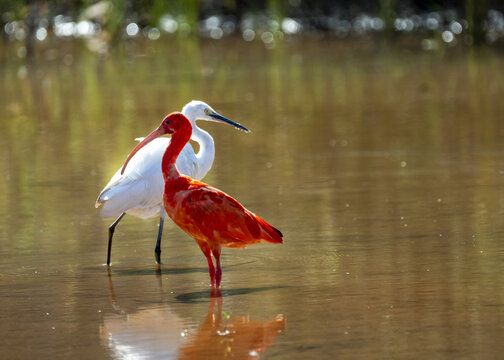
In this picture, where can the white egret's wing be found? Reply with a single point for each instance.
(141, 185)
(139, 191)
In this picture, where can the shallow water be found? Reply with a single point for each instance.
(381, 166)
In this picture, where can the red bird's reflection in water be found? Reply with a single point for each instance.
(158, 332)
(236, 337)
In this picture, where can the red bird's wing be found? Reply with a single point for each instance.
(205, 211)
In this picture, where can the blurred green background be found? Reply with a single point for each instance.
(102, 23)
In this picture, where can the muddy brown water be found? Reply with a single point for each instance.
(382, 167)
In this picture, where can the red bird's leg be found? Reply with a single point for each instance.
(218, 272)
(211, 269)
(208, 253)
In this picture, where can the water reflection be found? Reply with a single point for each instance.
(221, 335)
(387, 167)
(159, 332)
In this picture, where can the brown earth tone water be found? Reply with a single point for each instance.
(382, 167)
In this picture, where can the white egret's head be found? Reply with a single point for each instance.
(198, 110)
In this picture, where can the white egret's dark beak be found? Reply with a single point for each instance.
(220, 118)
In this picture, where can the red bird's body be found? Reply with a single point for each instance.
(211, 217)
(207, 213)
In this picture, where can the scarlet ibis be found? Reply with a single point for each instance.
(139, 190)
(211, 217)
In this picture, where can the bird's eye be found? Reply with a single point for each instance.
(167, 122)
(207, 111)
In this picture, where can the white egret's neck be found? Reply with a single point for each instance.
(206, 153)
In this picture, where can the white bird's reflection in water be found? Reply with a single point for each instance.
(148, 333)
(157, 332)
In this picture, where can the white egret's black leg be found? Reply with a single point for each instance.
(111, 233)
(157, 250)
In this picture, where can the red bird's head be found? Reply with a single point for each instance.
(174, 123)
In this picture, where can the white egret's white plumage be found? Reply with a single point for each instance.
(139, 191)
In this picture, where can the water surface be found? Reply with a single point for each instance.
(381, 166)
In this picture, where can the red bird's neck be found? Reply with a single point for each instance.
(177, 143)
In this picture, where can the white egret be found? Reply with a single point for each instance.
(139, 191)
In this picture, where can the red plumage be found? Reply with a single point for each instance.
(205, 212)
